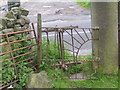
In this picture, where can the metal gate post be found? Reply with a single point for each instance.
(39, 35)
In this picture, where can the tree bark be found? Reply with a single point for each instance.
(105, 16)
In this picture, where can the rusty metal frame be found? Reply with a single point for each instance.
(58, 34)
(14, 50)
(58, 38)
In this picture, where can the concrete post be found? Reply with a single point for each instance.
(105, 16)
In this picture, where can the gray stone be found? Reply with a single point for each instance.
(38, 80)
(22, 11)
(4, 31)
(21, 22)
(10, 23)
(27, 21)
(1, 27)
(10, 15)
(16, 11)
(7, 23)
(17, 27)
(26, 26)
(13, 3)
(3, 22)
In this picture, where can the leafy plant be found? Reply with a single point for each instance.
(10, 73)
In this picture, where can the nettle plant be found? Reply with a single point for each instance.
(10, 73)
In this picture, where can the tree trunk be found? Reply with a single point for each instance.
(105, 16)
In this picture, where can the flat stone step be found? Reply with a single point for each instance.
(78, 77)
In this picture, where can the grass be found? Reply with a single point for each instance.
(84, 4)
(103, 81)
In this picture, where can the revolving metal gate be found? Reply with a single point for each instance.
(61, 48)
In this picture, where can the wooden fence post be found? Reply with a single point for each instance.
(39, 35)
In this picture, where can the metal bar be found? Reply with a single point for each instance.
(58, 42)
(70, 27)
(34, 67)
(70, 50)
(52, 29)
(18, 41)
(39, 35)
(94, 28)
(48, 43)
(91, 33)
(80, 47)
(19, 62)
(16, 32)
(28, 63)
(73, 37)
(9, 45)
(70, 44)
(18, 56)
(62, 42)
(70, 60)
(55, 47)
(8, 84)
(85, 34)
(34, 33)
(79, 35)
(69, 63)
(75, 60)
(18, 49)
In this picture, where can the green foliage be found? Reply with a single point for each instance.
(85, 4)
(21, 73)
(50, 50)
(102, 81)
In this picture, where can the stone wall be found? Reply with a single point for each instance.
(13, 21)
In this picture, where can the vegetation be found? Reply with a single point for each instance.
(84, 4)
(103, 81)
(9, 73)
